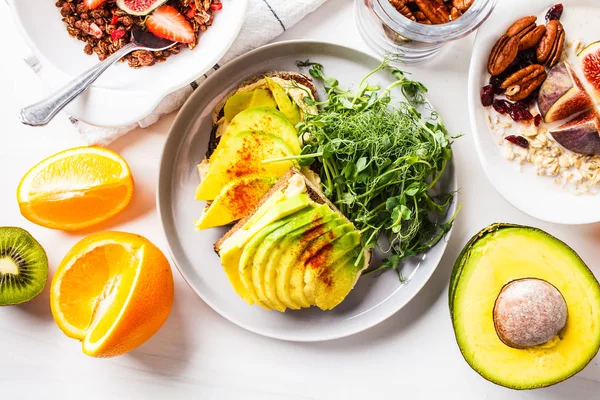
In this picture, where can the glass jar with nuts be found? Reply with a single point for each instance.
(415, 30)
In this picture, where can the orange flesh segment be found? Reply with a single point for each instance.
(91, 299)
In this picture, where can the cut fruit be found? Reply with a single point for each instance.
(562, 95)
(76, 189)
(285, 104)
(93, 4)
(23, 266)
(243, 155)
(167, 23)
(245, 100)
(580, 135)
(486, 314)
(589, 59)
(235, 201)
(139, 7)
(112, 291)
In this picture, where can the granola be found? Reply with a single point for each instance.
(107, 28)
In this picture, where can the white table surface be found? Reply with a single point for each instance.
(198, 354)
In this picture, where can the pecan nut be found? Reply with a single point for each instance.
(524, 82)
(532, 38)
(462, 5)
(402, 7)
(521, 26)
(552, 44)
(503, 54)
(435, 11)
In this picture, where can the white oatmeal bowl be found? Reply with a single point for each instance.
(540, 177)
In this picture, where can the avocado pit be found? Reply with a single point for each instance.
(529, 312)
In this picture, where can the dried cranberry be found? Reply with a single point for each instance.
(518, 140)
(529, 55)
(555, 12)
(216, 6)
(526, 102)
(518, 113)
(117, 34)
(502, 106)
(487, 95)
(537, 120)
(114, 20)
(496, 82)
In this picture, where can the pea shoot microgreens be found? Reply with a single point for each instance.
(379, 159)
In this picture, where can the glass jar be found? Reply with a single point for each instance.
(388, 32)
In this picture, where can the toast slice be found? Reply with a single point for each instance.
(300, 86)
(314, 193)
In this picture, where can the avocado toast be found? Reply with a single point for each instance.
(253, 123)
(295, 249)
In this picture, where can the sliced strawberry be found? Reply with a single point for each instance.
(114, 20)
(93, 4)
(95, 31)
(117, 33)
(191, 12)
(167, 23)
(216, 6)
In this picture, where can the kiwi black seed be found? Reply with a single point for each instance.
(23, 266)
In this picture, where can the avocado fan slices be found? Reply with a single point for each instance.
(23, 266)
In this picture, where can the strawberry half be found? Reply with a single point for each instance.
(167, 23)
(93, 4)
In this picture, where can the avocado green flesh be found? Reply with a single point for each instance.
(267, 246)
(278, 243)
(297, 291)
(289, 262)
(248, 255)
(285, 104)
(332, 289)
(503, 253)
(244, 100)
(323, 264)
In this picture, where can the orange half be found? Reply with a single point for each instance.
(112, 291)
(76, 188)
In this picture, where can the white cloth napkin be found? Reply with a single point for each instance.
(265, 20)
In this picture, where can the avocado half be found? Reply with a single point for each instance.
(502, 254)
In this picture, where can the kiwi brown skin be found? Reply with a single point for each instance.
(18, 246)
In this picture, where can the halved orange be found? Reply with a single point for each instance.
(76, 188)
(112, 291)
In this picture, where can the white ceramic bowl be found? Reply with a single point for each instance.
(122, 95)
(535, 195)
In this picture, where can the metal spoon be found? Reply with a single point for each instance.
(42, 112)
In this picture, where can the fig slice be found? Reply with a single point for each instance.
(589, 59)
(580, 135)
(562, 95)
(139, 7)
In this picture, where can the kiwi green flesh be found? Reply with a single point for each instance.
(23, 266)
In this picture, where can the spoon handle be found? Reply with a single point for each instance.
(43, 111)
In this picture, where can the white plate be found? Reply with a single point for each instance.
(373, 300)
(122, 95)
(535, 195)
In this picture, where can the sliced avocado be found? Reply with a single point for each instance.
(294, 251)
(243, 155)
(298, 268)
(235, 201)
(285, 104)
(261, 119)
(499, 257)
(244, 100)
(277, 207)
(321, 266)
(248, 255)
(275, 245)
(332, 287)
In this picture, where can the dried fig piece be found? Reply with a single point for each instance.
(532, 38)
(436, 12)
(524, 82)
(552, 43)
(503, 54)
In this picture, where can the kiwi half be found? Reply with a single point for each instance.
(23, 266)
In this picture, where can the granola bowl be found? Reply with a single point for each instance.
(534, 173)
(122, 95)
